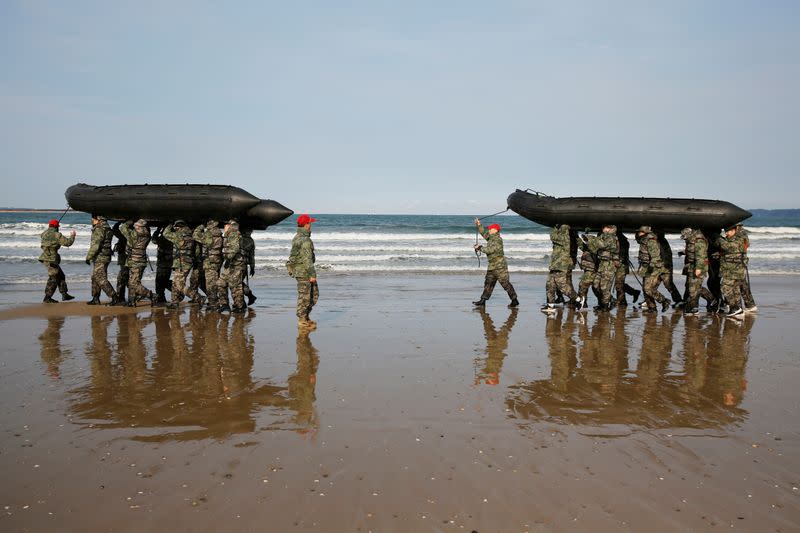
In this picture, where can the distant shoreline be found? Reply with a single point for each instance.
(31, 210)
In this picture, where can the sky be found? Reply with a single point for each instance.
(429, 107)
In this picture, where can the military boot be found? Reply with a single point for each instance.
(251, 299)
(49, 300)
(114, 300)
(514, 303)
(664, 305)
(224, 308)
(479, 303)
(66, 297)
(131, 302)
(94, 301)
(238, 310)
(636, 293)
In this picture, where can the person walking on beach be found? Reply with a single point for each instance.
(249, 252)
(605, 248)
(137, 236)
(732, 270)
(747, 293)
(100, 253)
(667, 277)
(651, 268)
(209, 237)
(301, 267)
(180, 235)
(620, 287)
(164, 258)
(561, 265)
(695, 268)
(497, 269)
(121, 249)
(588, 263)
(52, 240)
(231, 276)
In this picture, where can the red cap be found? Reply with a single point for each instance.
(302, 220)
(53, 223)
(494, 226)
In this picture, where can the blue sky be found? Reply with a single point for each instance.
(403, 107)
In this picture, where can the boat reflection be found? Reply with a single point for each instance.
(189, 377)
(689, 372)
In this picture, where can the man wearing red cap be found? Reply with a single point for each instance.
(301, 267)
(52, 240)
(498, 267)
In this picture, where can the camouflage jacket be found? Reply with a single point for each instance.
(100, 247)
(301, 259)
(121, 246)
(493, 249)
(561, 258)
(182, 247)
(232, 249)
(666, 252)
(137, 238)
(249, 251)
(650, 263)
(605, 248)
(732, 257)
(696, 254)
(210, 240)
(52, 240)
(588, 261)
(164, 253)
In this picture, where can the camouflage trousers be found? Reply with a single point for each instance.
(694, 290)
(197, 280)
(230, 278)
(604, 283)
(731, 288)
(651, 294)
(163, 282)
(122, 280)
(100, 280)
(211, 273)
(135, 287)
(559, 281)
(492, 277)
(621, 288)
(245, 286)
(747, 294)
(307, 297)
(179, 288)
(586, 282)
(55, 280)
(669, 284)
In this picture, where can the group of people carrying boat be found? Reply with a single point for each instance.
(605, 262)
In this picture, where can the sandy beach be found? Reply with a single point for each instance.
(406, 410)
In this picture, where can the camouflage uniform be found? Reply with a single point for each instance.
(121, 248)
(497, 269)
(182, 262)
(231, 277)
(301, 267)
(666, 277)
(52, 240)
(713, 282)
(210, 239)
(732, 268)
(747, 293)
(651, 268)
(588, 264)
(606, 248)
(164, 258)
(100, 253)
(695, 258)
(561, 264)
(249, 252)
(137, 237)
(197, 277)
(620, 287)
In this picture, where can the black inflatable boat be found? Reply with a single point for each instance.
(160, 204)
(628, 214)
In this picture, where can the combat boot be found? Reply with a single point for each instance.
(636, 294)
(514, 303)
(114, 300)
(224, 308)
(49, 300)
(751, 309)
(691, 312)
(664, 305)
(66, 297)
(479, 303)
(735, 311)
(251, 299)
(237, 310)
(131, 302)
(559, 299)
(94, 301)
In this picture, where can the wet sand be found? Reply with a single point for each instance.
(406, 410)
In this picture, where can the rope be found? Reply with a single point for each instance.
(64, 213)
(477, 253)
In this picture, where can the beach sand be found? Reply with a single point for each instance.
(406, 410)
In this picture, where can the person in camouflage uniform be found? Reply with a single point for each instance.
(209, 237)
(561, 265)
(747, 293)
(52, 240)
(714, 280)
(231, 277)
(667, 277)
(497, 270)
(121, 249)
(100, 253)
(301, 267)
(164, 258)
(620, 287)
(695, 268)
(651, 268)
(605, 248)
(197, 278)
(249, 251)
(138, 237)
(588, 263)
(180, 235)
(732, 269)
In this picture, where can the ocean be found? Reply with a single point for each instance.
(376, 244)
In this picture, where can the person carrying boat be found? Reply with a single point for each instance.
(561, 264)
(667, 277)
(605, 248)
(249, 251)
(588, 263)
(732, 270)
(231, 276)
(121, 249)
(164, 258)
(180, 235)
(52, 240)
(695, 268)
(209, 238)
(301, 267)
(620, 287)
(747, 293)
(651, 268)
(497, 269)
(138, 237)
(100, 253)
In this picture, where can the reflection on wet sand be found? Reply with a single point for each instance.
(698, 382)
(191, 378)
(488, 368)
(50, 341)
